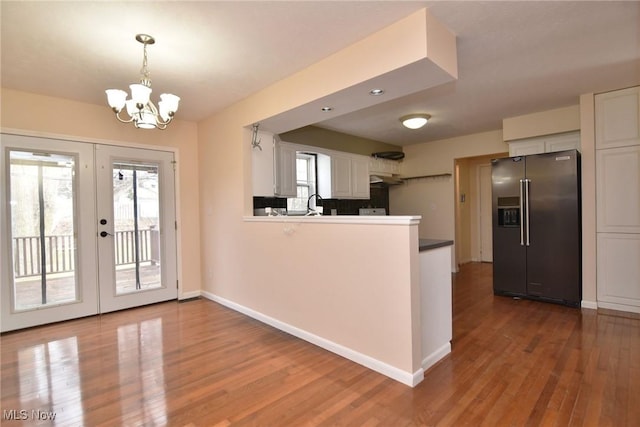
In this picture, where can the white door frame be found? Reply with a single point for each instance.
(483, 255)
(8, 133)
(105, 158)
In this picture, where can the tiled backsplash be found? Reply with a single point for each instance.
(379, 199)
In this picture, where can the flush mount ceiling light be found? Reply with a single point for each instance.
(415, 121)
(142, 112)
(326, 109)
(376, 92)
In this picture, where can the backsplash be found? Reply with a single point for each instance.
(379, 199)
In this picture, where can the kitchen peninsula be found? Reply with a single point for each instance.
(368, 292)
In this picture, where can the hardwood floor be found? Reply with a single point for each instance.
(514, 363)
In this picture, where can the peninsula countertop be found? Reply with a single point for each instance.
(427, 244)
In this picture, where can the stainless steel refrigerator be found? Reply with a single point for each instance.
(537, 227)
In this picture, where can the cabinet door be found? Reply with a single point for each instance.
(285, 157)
(360, 178)
(618, 118)
(619, 271)
(340, 177)
(526, 147)
(618, 190)
(562, 142)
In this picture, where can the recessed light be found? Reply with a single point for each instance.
(415, 121)
(327, 109)
(376, 92)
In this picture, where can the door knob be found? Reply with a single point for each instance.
(104, 234)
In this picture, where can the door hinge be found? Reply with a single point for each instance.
(177, 284)
(173, 162)
(176, 224)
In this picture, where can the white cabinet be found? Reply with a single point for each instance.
(285, 170)
(349, 176)
(618, 269)
(618, 190)
(526, 147)
(340, 176)
(618, 118)
(545, 144)
(360, 188)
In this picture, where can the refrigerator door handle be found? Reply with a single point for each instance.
(527, 183)
(521, 213)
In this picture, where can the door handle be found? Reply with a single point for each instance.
(105, 234)
(522, 213)
(527, 183)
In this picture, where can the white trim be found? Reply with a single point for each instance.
(339, 219)
(435, 357)
(619, 307)
(407, 378)
(176, 158)
(592, 305)
(189, 295)
(78, 138)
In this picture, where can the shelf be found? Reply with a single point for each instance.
(439, 175)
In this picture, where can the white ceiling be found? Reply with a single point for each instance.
(514, 57)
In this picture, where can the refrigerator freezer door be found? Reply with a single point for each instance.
(509, 256)
(554, 251)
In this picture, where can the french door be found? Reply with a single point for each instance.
(85, 229)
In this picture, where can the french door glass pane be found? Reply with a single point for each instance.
(136, 206)
(43, 242)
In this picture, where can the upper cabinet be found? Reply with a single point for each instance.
(618, 118)
(340, 175)
(545, 144)
(343, 176)
(285, 169)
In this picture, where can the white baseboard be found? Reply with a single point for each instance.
(619, 307)
(592, 305)
(404, 377)
(189, 295)
(435, 357)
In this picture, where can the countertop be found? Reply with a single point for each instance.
(426, 244)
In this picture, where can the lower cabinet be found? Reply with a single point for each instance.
(618, 269)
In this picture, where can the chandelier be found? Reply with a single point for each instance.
(142, 112)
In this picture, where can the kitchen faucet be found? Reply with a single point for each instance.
(313, 211)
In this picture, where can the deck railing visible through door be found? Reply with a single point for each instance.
(61, 251)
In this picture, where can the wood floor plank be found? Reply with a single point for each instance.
(513, 363)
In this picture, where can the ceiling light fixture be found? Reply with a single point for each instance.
(376, 92)
(142, 112)
(326, 109)
(415, 121)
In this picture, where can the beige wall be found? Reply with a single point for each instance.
(352, 285)
(33, 114)
(434, 198)
(325, 138)
(549, 122)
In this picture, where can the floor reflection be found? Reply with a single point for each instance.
(49, 379)
(141, 367)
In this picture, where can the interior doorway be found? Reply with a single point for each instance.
(473, 209)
